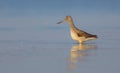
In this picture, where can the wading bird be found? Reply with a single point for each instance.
(78, 35)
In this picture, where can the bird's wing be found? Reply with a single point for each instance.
(81, 33)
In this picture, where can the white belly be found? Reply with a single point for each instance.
(76, 37)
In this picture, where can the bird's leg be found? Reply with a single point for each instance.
(80, 42)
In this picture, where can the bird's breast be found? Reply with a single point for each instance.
(73, 34)
(76, 37)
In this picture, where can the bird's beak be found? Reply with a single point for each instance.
(60, 22)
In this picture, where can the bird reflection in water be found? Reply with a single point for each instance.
(78, 54)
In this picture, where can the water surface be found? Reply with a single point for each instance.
(34, 50)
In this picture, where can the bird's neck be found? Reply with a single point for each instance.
(72, 26)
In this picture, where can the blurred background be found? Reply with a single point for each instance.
(36, 19)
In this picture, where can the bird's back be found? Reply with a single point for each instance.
(82, 33)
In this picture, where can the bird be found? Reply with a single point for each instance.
(76, 34)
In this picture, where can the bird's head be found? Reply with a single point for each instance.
(67, 18)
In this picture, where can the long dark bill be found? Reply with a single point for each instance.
(60, 22)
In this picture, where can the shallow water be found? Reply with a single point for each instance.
(39, 51)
